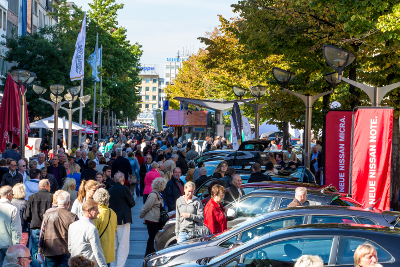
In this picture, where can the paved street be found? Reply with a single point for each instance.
(138, 237)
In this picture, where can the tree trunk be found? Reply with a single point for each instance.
(285, 138)
(394, 183)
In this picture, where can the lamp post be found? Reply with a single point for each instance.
(338, 59)
(257, 91)
(283, 77)
(22, 77)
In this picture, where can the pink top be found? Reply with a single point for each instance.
(148, 180)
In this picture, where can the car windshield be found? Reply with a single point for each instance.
(345, 202)
(237, 226)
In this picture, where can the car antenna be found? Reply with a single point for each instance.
(372, 207)
(397, 221)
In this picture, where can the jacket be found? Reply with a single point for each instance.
(107, 240)
(121, 202)
(8, 179)
(62, 174)
(232, 191)
(21, 206)
(88, 174)
(121, 164)
(83, 164)
(294, 203)
(181, 163)
(54, 232)
(189, 175)
(99, 167)
(10, 224)
(142, 173)
(31, 187)
(135, 166)
(54, 186)
(257, 177)
(226, 181)
(173, 192)
(214, 217)
(83, 239)
(286, 158)
(11, 154)
(202, 179)
(195, 210)
(151, 209)
(148, 180)
(192, 154)
(37, 205)
(77, 208)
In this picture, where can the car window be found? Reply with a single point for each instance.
(332, 219)
(253, 206)
(366, 221)
(308, 177)
(248, 189)
(228, 242)
(286, 201)
(285, 253)
(270, 226)
(345, 202)
(203, 189)
(232, 263)
(348, 245)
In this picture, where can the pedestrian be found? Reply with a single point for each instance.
(83, 236)
(149, 178)
(54, 204)
(10, 223)
(102, 163)
(75, 173)
(235, 191)
(203, 177)
(12, 153)
(90, 172)
(365, 255)
(18, 256)
(53, 238)
(86, 192)
(151, 212)
(139, 157)
(83, 161)
(121, 202)
(100, 180)
(309, 261)
(214, 212)
(18, 201)
(170, 165)
(121, 164)
(289, 155)
(192, 154)
(106, 223)
(52, 180)
(41, 161)
(316, 164)
(189, 212)
(113, 156)
(70, 187)
(33, 164)
(299, 198)
(257, 176)
(269, 169)
(226, 181)
(110, 144)
(135, 171)
(219, 172)
(36, 207)
(144, 169)
(12, 177)
(181, 163)
(161, 170)
(57, 170)
(80, 261)
(109, 182)
(196, 173)
(192, 167)
(174, 189)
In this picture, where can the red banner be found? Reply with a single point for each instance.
(372, 153)
(337, 148)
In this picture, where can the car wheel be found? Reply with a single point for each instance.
(171, 243)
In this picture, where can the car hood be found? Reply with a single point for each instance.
(189, 245)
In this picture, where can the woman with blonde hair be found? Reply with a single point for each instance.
(75, 173)
(19, 193)
(219, 172)
(70, 187)
(106, 223)
(32, 164)
(365, 255)
(86, 191)
(151, 211)
(309, 261)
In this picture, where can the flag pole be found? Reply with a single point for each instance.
(94, 93)
(101, 89)
(80, 117)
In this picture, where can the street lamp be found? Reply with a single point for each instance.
(238, 91)
(283, 77)
(332, 79)
(22, 77)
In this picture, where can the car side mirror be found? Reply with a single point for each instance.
(231, 214)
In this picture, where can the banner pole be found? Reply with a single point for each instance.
(351, 153)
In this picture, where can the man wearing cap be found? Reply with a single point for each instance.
(12, 153)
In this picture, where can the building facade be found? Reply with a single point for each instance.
(149, 88)
(171, 68)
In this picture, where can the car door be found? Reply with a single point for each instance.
(251, 207)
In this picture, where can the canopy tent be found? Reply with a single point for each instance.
(48, 123)
(90, 123)
(265, 128)
(87, 131)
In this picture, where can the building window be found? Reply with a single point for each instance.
(166, 75)
(13, 6)
(140, 105)
(35, 8)
(139, 88)
(147, 97)
(154, 97)
(147, 89)
(159, 90)
(154, 105)
(147, 80)
(4, 21)
(154, 89)
(154, 80)
(146, 105)
(34, 29)
(167, 67)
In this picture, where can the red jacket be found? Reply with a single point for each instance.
(214, 217)
(148, 180)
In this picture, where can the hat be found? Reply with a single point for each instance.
(14, 146)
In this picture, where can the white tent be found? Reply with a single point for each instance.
(48, 123)
(264, 128)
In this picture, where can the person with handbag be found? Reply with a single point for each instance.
(214, 212)
(151, 212)
(133, 179)
(189, 213)
(106, 223)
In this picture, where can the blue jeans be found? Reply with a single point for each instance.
(34, 246)
(2, 255)
(182, 237)
(58, 261)
(138, 189)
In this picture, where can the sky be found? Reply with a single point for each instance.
(163, 27)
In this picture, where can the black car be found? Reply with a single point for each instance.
(264, 224)
(251, 205)
(334, 243)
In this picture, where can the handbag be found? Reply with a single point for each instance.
(164, 217)
(199, 230)
(133, 179)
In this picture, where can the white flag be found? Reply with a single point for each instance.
(78, 61)
(64, 142)
(235, 142)
(246, 129)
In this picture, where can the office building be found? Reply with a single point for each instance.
(149, 88)
(171, 68)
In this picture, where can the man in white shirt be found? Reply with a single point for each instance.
(41, 161)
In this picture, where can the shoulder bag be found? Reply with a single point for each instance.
(163, 215)
(109, 218)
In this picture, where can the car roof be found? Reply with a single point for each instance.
(270, 190)
(333, 209)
